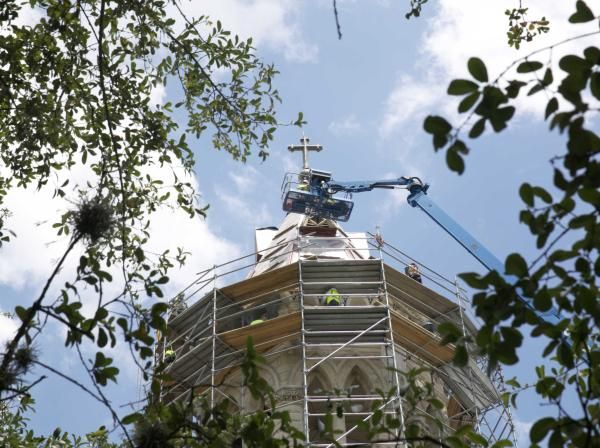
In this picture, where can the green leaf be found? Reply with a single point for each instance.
(595, 84)
(542, 194)
(548, 77)
(590, 195)
(462, 87)
(474, 280)
(529, 66)
(455, 161)
(450, 333)
(502, 444)
(22, 313)
(551, 107)
(503, 114)
(459, 146)
(434, 124)
(131, 418)
(468, 102)
(541, 428)
(535, 89)
(102, 338)
(564, 353)
(512, 336)
(513, 88)
(583, 13)
(526, 193)
(516, 265)
(592, 54)
(477, 128)
(573, 64)
(477, 69)
(477, 438)
(436, 403)
(461, 357)
(439, 141)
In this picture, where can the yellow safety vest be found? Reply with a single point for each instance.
(333, 296)
(256, 322)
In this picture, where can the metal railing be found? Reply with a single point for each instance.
(217, 314)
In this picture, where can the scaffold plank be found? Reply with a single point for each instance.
(254, 286)
(416, 294)
(274, 330)
(419, 341)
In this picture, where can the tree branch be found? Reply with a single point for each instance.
(33, 310)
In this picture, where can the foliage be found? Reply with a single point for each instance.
(522, 30)
(564, 223)
(415, 8)
(14, 432)
(519, 28)
(76, 89)
(77, 80)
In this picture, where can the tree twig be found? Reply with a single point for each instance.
(33, 310)
(68, 378)
(337, 20)
(102, 398)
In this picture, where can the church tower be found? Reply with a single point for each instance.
(339, 316)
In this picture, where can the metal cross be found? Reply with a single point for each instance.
(305, 147)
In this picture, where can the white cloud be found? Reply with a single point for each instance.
(270, 23)
(158, 94)
(8, 327)
(409, 100)
(241, 201)
(395, 199)
(246, 179)
(28, 259)
(252, 214)
(348, 125)
(288, 162)
(522, 431)
(28, 16)
(459, 30)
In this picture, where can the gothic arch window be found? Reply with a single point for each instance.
(457, 414)
(319, 390)
(360, 392)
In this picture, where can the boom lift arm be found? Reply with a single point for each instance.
(314, 195)
(418, 198)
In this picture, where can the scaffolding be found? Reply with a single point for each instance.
(385, 324)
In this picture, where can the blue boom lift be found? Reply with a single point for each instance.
(313, 194)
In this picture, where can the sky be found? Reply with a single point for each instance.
(364, 98)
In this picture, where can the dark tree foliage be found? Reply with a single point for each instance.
(75, 89)
(563, 275)
(76, 82)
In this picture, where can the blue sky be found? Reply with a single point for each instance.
(365, 98)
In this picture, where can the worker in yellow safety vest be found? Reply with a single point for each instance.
(260, 320)
(303, 186)
(169, 355)
(332, 297)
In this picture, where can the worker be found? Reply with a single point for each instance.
(177, 306)
(260, 320)
(303, 186)
(332, 297)
(169, 355)
(412, 270)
